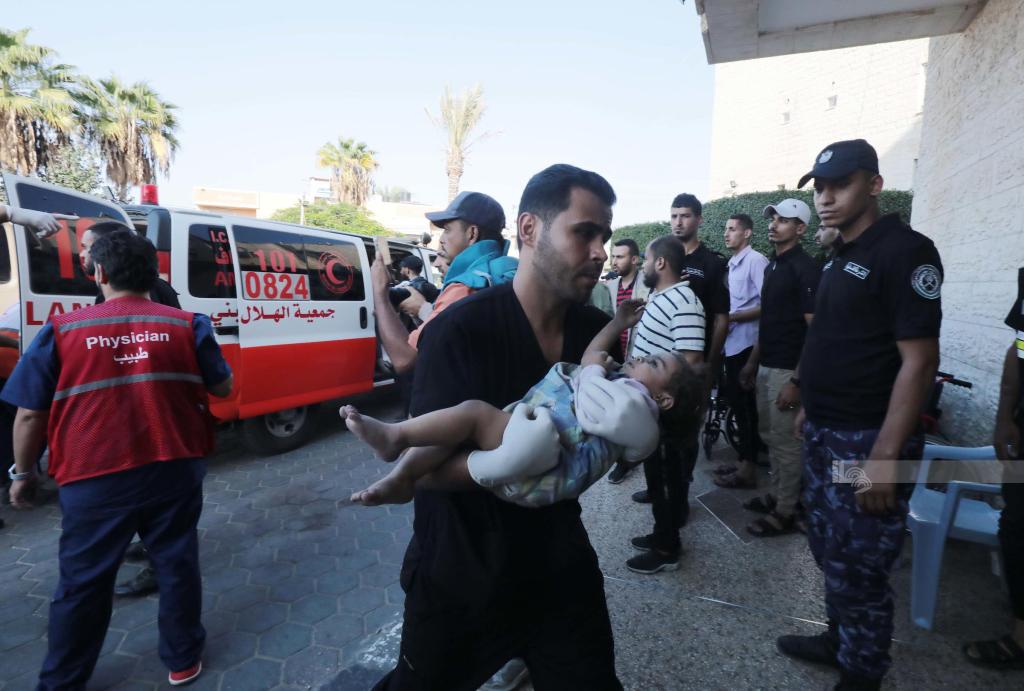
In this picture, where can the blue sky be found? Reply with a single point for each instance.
(620, 87)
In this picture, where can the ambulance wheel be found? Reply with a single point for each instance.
(279, 431)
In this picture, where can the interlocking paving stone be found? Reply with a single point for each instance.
(262, 617)
(285, 640)
(292, 589)
(311, 666)
(240, 597)
(253, 674)
(338, 630)
(361, 600)
(312, 609)
(337, 582)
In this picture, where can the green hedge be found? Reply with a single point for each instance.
(717, 211)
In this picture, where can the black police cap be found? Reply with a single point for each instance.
(839, 159)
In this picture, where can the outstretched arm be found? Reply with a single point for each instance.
(626, 317)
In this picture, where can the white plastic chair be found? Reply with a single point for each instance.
(935, 516)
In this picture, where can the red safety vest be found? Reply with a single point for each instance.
(129, 392)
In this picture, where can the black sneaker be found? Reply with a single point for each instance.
(822, 649)
(642, 497)
(653, 561)
(644, 543)
(135, 552)
(848, 681)
(619, 472)
(143, 584)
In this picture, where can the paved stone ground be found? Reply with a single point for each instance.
(297, 584)
(301, 590)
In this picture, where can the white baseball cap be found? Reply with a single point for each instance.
(789, 208)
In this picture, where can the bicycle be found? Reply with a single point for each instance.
(720, 419)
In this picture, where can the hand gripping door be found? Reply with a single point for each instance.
(49, 278)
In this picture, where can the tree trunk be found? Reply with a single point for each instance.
(455, 169)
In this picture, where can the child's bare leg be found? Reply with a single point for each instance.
(471, 421)
(398, 486)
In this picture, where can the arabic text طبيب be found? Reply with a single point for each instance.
(132, 358)
(133, 337)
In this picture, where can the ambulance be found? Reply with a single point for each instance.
(291, 306)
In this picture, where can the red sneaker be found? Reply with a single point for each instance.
(185, 676)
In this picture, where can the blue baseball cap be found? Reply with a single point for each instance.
(475, 208)
(839, 159)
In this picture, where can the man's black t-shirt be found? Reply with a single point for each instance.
(1015, 320)
(470, 550)
(709, 280)
(161, 293)
(789, 290)
(879, 289)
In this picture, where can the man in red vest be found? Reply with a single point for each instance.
(119, 391)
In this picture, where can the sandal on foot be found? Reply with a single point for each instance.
(763, 527)
(1004, 653)
(725, 470)
(765, 504)
(734, 481)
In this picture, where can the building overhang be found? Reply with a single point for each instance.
(745, 29)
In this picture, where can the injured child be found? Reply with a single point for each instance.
(512, 459)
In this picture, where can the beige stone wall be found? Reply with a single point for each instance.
(970, 200)
(878, 90)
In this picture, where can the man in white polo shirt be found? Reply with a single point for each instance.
(673, 321)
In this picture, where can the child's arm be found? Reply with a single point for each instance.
(626, 317)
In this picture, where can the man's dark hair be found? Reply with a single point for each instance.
(101, 228)
(634, 250)
(128, 260)
(413, 263)
(687, 201)
(547, 193)
(669, 248)
(746, 221)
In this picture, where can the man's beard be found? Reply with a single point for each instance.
(555, 272)
(651, 279)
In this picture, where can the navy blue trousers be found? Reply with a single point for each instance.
(854, 549)
(162, 503)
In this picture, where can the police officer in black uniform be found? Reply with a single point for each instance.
(868, 363)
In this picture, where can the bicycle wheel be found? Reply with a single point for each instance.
(732, 430)
(710, 433)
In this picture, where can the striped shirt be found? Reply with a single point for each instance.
(673, 320)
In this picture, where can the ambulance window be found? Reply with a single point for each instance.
(334, 270)
(269, 251)
(53, 264)
(211, 270)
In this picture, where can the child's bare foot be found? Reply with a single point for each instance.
(382, 437)
(390, 489)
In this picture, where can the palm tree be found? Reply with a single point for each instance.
(37, 114)
(352, 165)
(133, 128)
(458, 118)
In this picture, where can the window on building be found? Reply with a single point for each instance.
(832, 100)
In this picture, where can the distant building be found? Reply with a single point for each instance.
(404, 218)
(772, 115)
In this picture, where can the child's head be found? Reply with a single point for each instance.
(675, 386)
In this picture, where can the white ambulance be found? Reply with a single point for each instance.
(291, 306)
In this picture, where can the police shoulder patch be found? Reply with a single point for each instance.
(926, 281)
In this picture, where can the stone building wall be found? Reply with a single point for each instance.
(969, 198)
(773, 115)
